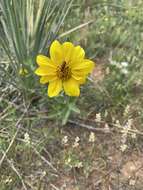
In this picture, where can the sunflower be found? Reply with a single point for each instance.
(66, 69)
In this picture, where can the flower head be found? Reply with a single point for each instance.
(65, 140)
(66, 69)
(23, 72)
(92, 137)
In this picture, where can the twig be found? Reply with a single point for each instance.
(54, 187)
(45, 160)
(13, 139)
(15, 170)
(130, 130)
(104, 130)
(10, 145)
(76, 28)
(89, 127)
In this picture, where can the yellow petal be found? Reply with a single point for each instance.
(46, 79)
(80, 78)
(85, 66)
(76, 77)
(56, 52)
(79, 73)
(44, 61)
(78, 54)
(82, 81)
(54, 88)
(71, 87)
(44, 70)
(68, 49)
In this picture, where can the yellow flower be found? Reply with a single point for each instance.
(23, 72)
(66, 68)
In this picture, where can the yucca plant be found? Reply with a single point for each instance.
(27, 27)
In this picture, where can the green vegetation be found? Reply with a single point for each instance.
(63, 143)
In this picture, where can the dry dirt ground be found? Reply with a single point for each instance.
(111, 168)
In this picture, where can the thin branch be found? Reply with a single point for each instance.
(104, 130)
(89, 127)
(54, 187)
(76, 28)
(15, 170)
(45, 160)
(10, 145)
(13, 139)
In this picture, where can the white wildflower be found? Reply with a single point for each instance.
(98, 117)
(127, 109)
(118, 123)
(124, 64)
(27, 138)
(68, 160)
(8, 180)
(133, 135)
(112, 62)
(124, 71)
(132, 182)
(43, 174)
(92, 137)
(65, 140)
(106, 18)
(125, 130)
(107, 71)
(79, 165)
(123, 147)
(76, 142)
(77, 139)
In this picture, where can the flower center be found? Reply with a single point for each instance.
(63, 71)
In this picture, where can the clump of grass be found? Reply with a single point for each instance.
(28, 28)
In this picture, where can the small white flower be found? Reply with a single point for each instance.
(127, 109)
(124, 64)
(124, 71)
(77, 139)
(92, 137)
(79, 165)
(98, 117)
(132, 182)
(123, 147)
(69, 160)
(112, 62)
(107, 71)
(118, 123)
(8, 180)
(65, 140)
(26, 138)
(106, 19)
(133, 135)
(76, 142)
(43, 174)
